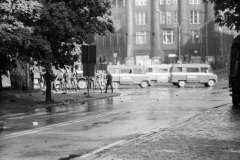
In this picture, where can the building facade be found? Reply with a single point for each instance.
(164, 31)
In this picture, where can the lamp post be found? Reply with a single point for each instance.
(179, 31)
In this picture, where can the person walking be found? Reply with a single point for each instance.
(109, 81)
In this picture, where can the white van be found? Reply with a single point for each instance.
(192, 73)
(132, 74)
(158, 73)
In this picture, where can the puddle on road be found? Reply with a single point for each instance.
(40, 117)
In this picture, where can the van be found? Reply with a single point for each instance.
(192, 73)
(158, 73)
(124, 74)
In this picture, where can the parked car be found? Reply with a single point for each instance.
(192, 73)
(132, 74)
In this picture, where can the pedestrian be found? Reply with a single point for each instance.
(74, 80)
(61, 80)
(109, 81)
(99, 81)
(53, 79)
(68, 79)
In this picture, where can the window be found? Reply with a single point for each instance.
(195, 36)
(161, 2)
(168, 37)
(141, 18)
(175, 1)
(162, 18)
(141, 38)
(175, 18)
(137, 71)
(206, 70)
(178, 69)
(162, 70)
(114, 70)
(194, 17)
(194, 1)
(192, 69)
(126, 71)
(149, 70)
(140, 2)
(168, 2)
(169, 17)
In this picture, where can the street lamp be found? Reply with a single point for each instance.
(179, 31)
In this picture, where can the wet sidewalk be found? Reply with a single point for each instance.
(14, 103)
(211, 135)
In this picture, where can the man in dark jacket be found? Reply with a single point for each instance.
(109, 81)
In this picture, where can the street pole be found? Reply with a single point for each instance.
(88, 70)
(179, 42)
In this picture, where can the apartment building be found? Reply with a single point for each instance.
(163, 31)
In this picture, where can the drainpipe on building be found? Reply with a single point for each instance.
(129, 60)
(155, 37)
(182, 36)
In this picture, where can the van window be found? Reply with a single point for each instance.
(126, 71)
(137, 71)
(204, 70)
(178, 69)
(192, 69)
(162, 70)
(149, 70)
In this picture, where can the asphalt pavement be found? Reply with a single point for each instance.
(13, 104)
(211, 135)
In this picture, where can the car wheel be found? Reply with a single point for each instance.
(210, 83)
(115, 85)
(82, 84)
(144, 84)
(181, 83)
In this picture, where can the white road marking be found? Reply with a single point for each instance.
(102, 149)
(18, 134)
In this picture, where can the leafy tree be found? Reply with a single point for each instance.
(47, 31)
(227, 12)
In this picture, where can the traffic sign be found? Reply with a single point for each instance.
(89, 54)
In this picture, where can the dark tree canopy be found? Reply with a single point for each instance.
(227, 13)
(49, 30)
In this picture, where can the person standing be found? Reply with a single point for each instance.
(109, 81)
(74, 81)
(68, 79)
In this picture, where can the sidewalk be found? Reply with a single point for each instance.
(23, 101)
(211, 135)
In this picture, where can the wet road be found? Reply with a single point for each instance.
(74, 130)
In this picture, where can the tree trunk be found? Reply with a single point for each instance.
(48, 86)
